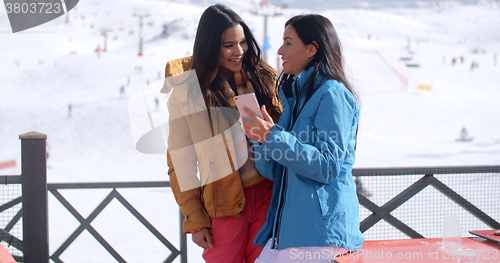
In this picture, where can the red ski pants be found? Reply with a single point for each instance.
(232, 236)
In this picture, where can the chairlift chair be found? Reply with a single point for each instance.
(406, 54)
(413, 62)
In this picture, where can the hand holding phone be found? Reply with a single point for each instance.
(260, 129)
(250, 101)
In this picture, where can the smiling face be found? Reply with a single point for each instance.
(233, 49)
(294, 53)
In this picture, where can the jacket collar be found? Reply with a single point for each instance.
(303, 77)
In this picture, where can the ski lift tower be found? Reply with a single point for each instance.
(266, 11)
(104, 33)
(141, 15)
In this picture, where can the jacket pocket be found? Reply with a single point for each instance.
(322, 195)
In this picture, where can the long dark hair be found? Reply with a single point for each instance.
(318, 30)
(206, 57)
(328, 58)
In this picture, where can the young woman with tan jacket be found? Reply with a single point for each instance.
(227, 204)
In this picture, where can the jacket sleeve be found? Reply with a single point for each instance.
(182, 170)
(195, 216)
(321, 160)
(182, 161)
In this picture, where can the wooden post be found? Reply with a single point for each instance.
(34, 197)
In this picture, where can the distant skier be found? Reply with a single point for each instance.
(69, 110)
(464, 136)
(157, 103)
(122, 91)
(474, 65)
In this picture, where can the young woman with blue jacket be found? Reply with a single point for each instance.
(310, 152)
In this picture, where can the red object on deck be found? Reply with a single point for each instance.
(5, 257)
(7, 164)
(422, 250)
(488, 234)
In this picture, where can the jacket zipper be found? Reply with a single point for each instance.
(280, 210)
(281, 204)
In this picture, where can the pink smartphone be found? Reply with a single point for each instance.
(250, 101)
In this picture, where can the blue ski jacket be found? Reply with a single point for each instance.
(314, 201)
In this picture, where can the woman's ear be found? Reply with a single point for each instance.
(313, 48)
